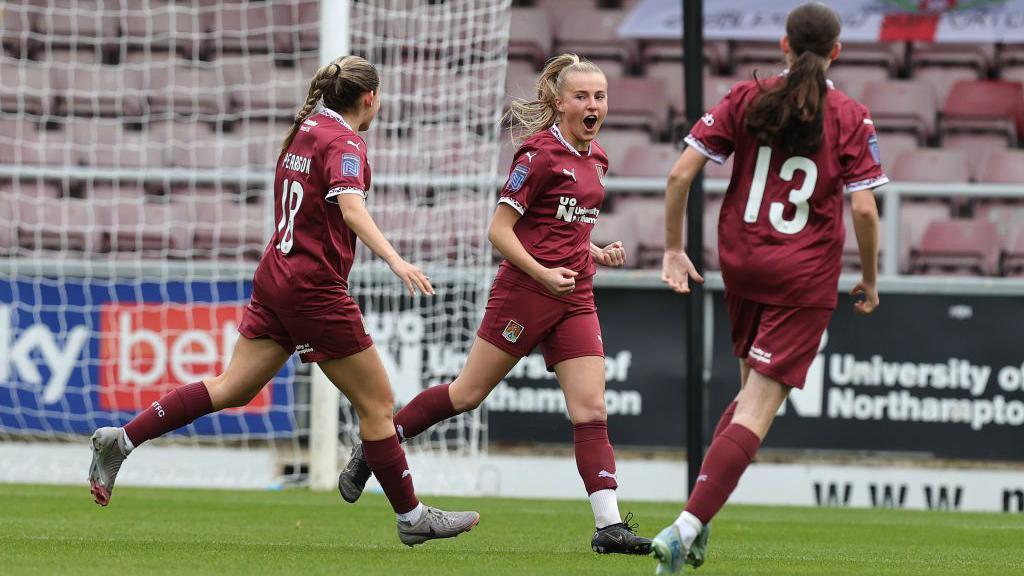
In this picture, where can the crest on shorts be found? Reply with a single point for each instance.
(517, 178)
(350, 164)
(513, 330)
(600, 173)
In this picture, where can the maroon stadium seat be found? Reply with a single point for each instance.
(222, 152)
(8, 226)
(110, 194)
(259, 89)
(915, 216)
(35, 146)
(988, 105)
(26, 87)
(647, 214)
(19, 20)
(616, 144)
(653, 160)
(239, 28)
(671, 74)
(892, 144)
(106, 143)
(530, 36)
(593, 34)
(1013, 255)
(851, 249)
(977, 56)
(227, 229)
(157, 229)
(716, 54)
(520, 80)
(930, 165)
(173, 87)
(764, 70)
(264, 140)
(637, 103)
(297, 25)
(1002, 167)
(902, 105)
(977, 146)
(958, 246)
(101, 91)
(1008, 217)
(160, 27)
(59, 224)
(617, 226)
(80, 24)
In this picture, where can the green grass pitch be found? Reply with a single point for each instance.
(58, 530)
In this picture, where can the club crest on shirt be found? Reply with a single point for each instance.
(350, 164)
(513, 330)
(873, 146)
(600, 173)
(517, 178)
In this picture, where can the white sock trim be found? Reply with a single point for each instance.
(605, 505)
(689, 527)
(412, 516)
(127, 441)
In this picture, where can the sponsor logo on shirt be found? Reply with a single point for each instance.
(350, 164)
(308, 125)
(513, 330)
(529, 156)
(517, 178)
(570, 212)
(570, 173)
(356, 144)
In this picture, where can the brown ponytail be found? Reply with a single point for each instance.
(790, 113)
(339, 84)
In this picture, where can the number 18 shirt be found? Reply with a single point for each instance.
(781, 227)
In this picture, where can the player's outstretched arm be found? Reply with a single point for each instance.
(558, 281)
(677, 270)
(865, 225)
(359, 221)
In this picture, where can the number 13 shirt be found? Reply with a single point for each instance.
(781, 227)
(306, 264)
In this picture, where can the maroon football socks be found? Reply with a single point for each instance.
(429, 407)
(173, 410)
(387, 461)
(725, 420)
(595, 458)
(730, 454)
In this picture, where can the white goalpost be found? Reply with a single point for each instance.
(137, 146)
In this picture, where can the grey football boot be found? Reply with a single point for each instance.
(353, 478)
(108, 453)
(434, 524)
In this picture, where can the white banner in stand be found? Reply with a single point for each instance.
(941, 21)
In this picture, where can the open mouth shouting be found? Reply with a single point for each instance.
(590, 122)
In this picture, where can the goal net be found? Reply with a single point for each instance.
(137, 145)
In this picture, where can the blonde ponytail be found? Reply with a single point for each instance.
(527, 117)
(339, 84)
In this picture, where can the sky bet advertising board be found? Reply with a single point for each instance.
(77, 355)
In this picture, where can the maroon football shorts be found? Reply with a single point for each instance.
(776, 341)
(338, 333)
(518, 318)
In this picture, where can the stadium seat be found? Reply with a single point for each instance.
(226, 229)
(101, 91)
(637, 103)
(647, 214)
(505, 155)
(156, 229)
(851, 249)
(892, 144)
(26, 87)
(80, 24)
(1008, 216)
(174, 88)
(716, 54)
(712, 210)
(106, 143)
(958, 247)
(111, 194)
(594, 34)
(915, 216)
(1002, 167)
(66, 224)
(715, 170)
(977, 146)
(297, 25)
(616, 144)
(259, 89)
(16, 32)
(1013, 256)
(530, 36)
(979, 56)
(220, 153)
(943, 78)
(520, 81)
(764, 70)
(264, 140)
(35, 146)
(8, 224)
(985, 105)
(239, 28)
(671, 75)
(853, 80)
(902, 105)
(888, 55)
(160, 27)
(930, 165)
(649, 160)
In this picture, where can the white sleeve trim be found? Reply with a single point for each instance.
(866, 184)
(512, 202)
(334, 192)
(700, 147)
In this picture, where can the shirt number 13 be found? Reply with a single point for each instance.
(798, 196)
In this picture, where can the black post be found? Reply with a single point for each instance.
(693, 72)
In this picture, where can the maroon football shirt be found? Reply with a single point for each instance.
(781, 227)
(558, 191)
(306, 264)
